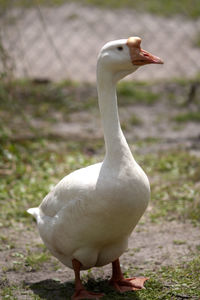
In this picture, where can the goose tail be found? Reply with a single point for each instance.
(34, 212)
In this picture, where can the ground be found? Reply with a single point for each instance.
(55, 129)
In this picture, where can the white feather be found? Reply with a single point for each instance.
(34, 211)
(90, 213)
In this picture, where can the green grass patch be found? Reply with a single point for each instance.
(130, 93)
(6, 243)
(174, 282)
(179, 242)
(61, 94)
(36, 260)
(135, 120)
(162, 8)
(167, 283)
(188, 117)
(23, 101)
(7, 293)
(29, 169)
(189, 8)
(196, 41)
(175, 193)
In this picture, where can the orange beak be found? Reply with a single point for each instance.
(140, 57)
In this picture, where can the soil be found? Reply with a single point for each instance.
(150, 246)
(156, 122)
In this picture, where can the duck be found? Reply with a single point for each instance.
(87, 218)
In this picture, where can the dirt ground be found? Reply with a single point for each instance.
(150, 246)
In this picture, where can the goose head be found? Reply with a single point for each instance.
(123, 57)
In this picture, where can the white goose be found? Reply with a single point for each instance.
(86, 220)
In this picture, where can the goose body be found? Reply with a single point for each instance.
(90, 214)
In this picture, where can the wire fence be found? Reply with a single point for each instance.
(62, 42)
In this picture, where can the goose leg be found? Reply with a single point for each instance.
(80, 291)
(122, 284)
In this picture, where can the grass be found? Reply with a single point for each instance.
(167, 283)
(35, 260)
(28, 170)
(188, 117)
(137, 92)
(196, 41)
(46, 95)
(135, 120)
(6, 243)
(175, 282)
(170, 283)
(189, 8)
(48, 102)
(31, 166)
(175, 193)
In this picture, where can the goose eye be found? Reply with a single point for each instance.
(120, 48)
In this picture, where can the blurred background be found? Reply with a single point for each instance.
(58, 39)
(48, 54)
(50, 125)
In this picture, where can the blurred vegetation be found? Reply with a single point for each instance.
(44, 101)
(6, 65)
(196, 41)
(176, 195)
(188, 8)
(188, 116)
(132, 92)
(32, 161)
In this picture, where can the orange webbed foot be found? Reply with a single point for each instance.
(129, 284)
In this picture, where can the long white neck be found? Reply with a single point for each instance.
(117, 148)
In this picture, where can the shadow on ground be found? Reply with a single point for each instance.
(51, 289)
